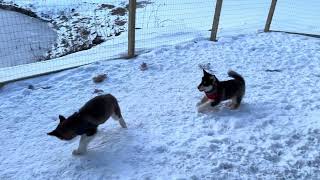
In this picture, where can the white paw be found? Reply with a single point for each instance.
(76, 152)
(201, 109)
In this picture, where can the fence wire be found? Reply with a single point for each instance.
(242, 17)
(297, 16)
(37, 37)
(166, 22)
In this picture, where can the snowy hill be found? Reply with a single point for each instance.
(274, 135)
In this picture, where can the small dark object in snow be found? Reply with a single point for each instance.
(143, 66)
(31, 87)
(97, 40)
(119, 11)
(97, 91)
(99, 78)
(1, 85)
(106, 6)
(273, 70)
(46, 87)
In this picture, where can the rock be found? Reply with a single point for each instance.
(99, 78)
(31, 87)
(143, 66)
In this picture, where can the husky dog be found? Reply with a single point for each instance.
(217, 91)
(86, 121)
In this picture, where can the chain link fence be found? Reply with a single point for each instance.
(46, 36)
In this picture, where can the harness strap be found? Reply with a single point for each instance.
(212, 96)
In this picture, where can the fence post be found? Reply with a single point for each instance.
(131, 28)
(270, 16)
(216, 19)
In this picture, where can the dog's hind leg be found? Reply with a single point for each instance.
(236, 101)
(120, 119)
(116, 115)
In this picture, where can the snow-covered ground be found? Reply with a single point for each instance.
(274, 135)
(80, 25)
(23, 39)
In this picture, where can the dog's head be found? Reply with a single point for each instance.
(208, 82)
(67, 127)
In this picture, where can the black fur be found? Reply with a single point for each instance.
(95, 112)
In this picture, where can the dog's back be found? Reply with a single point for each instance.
(100, 108)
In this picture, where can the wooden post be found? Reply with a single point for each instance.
(132, 28)
(270, 15)
(216, 19)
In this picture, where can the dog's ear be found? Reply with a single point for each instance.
(62, 118)
(213, 77)
(204, 71)
(53, 133)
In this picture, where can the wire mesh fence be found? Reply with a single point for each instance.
(168, 22)
(242, 17)
(45, 36)
(297, 16)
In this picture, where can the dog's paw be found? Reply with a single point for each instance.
(76, 152)
(233, 106)
(198, 104)
(201, 109)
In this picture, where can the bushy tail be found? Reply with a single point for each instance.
(236, 76)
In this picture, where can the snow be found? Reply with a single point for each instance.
(161, 22)
(274, 135)
(23, 39)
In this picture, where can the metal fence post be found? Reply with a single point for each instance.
(270, 16)
(216, 19)
(131, 28)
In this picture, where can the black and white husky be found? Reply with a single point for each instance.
(86, 121)
(217, 91)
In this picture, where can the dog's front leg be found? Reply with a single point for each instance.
(204, 106)
(203, 100)
(83, 144)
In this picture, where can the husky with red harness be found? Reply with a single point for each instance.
(217, 91)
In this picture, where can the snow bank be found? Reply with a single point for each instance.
(274, 135)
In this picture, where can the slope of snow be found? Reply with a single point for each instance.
(23, 39)
(274, 135)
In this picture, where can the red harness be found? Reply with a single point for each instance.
(212, 96)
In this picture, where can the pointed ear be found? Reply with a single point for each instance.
(213, 77)
(61, 118)
(204, 71)
(53, 133)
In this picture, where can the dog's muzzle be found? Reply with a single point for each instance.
(200, 88)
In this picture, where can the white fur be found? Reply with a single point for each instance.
(83, 144)
(205, 106)
(121, 120)
(206, 88)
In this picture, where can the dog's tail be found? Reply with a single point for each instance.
(236, 76)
